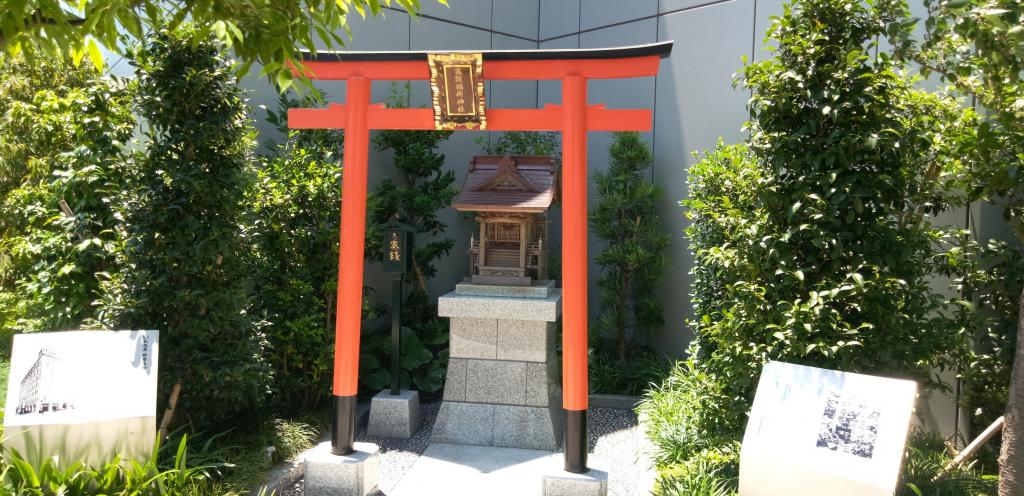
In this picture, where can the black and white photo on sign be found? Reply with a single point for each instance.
(811, 428)
(848, 425)
(46, 387)
(66, 377)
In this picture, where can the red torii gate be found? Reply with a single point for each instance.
(573, 118)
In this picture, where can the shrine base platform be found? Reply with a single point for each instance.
(502, 387)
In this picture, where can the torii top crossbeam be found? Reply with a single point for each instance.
(573, 118)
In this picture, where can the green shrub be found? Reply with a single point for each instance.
(812, 241)
(715, 472)
(991, 276)
(926, 457)
(293, 223)
(153, 477)
(675, 415)
(814, 246)
(710, 472)
(642, 369)
(633, 261)
(183, 241)
(62, 133)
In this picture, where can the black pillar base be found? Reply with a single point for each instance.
(343, 426)
(575, 444)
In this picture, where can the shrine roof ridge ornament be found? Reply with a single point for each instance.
(661, 49)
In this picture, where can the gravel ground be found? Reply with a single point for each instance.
(614, 439)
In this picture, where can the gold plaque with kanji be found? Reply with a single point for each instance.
(457, 90)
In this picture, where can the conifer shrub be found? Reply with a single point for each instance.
(633, 261)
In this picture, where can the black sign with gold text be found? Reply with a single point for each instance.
(457, 90)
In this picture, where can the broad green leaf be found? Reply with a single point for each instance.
(95, 55)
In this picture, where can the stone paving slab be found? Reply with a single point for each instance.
(458, 470)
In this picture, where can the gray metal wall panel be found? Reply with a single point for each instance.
(559, 17)
(668, 6)
(428, 34)
(764, 11)
(600, 13)
(472, 12)
(518, 17)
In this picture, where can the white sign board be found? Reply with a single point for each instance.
(93, 393)
(815, 431)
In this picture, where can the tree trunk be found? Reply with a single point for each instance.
(1011, 455)
(624, 314)
(420, 279)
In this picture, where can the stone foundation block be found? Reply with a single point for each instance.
(526, 340)
(464, 423)
(350, 475)
(455, 380)
(394, 415)
(502, 382)
(509, 426)
(473, 338)
(498, 382)
(526, 427)
(542, 385)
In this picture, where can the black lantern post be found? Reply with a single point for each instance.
(398, 245)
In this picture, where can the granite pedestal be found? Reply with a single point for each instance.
(558, 482)
(502, 387)
(394, 415)
(355, 474)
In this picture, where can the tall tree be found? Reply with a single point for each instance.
(812, 244)
(182, 214)
(978, 47)
(633, 260)
(268, 33)
(63, 129)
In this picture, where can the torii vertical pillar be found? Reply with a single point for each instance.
(574, 271)
(350, 266)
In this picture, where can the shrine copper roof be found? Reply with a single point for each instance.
(508, 184)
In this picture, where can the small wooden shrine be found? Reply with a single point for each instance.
(511, 196)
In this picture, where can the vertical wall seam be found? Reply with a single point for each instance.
(753, 36)
(654, 104)
(490, 84)
(536, 84)
(753, 49)
(579, 24)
